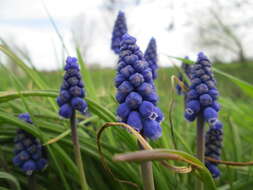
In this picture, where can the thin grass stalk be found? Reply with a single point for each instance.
(147, 173)
(200, 146)
(78, 157)
(32, 183)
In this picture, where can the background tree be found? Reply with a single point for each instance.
(224, 28)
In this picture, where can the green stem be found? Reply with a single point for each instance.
(147, 174)
(32, 184)
(200, 145)
(77, 152)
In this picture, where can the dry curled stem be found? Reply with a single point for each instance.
(175, 79)
(144, 144)
(231, 163)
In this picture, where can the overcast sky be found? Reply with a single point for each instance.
(26, 24)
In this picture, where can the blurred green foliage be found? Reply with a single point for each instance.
(236, 114)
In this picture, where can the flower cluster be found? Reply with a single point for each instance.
(214, 137)
(202, 95)
(72, 90)
(202, 101)
(150, 56)
(136, 92)
(30, 155)
(119, 29)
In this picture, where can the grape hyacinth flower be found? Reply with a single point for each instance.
(213, 146)
(119, 29)
(72, 90)
(71, 99)
(150, 56)
(30, 155)
(136, 92)
(137, 97)
(202, 103)
(202, 95)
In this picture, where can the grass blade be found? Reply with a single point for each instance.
(11, 178)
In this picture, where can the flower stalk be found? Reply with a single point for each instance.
(77, 152)
(147, 173)
(200, 139)
(32, 184)
(200, 145)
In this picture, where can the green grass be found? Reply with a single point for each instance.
(35, 92)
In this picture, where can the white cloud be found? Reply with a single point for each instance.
(27, 23)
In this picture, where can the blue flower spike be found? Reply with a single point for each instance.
(72, 90)
(119, 29)
(201, 92)
(213, 147)
(136, 92)
(151, 57)
(202, 101)
(29, 155)
(70, 100)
